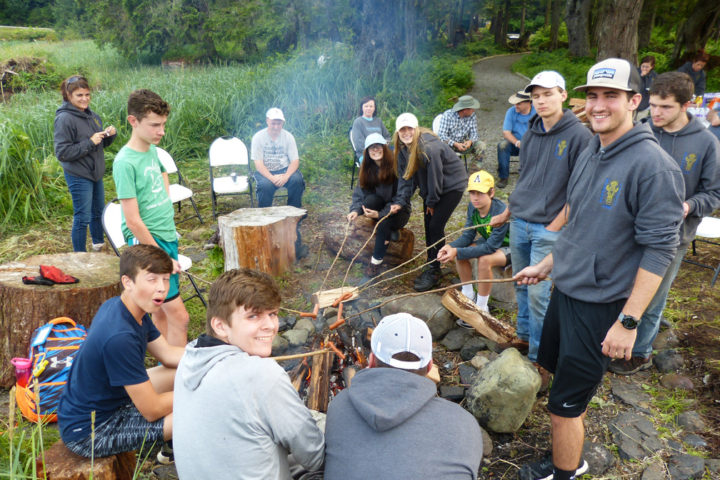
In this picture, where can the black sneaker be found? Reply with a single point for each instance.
(166, 456)
(427, 280)
(620, 366)
(543, 469)
(301, 252)
(501, 183)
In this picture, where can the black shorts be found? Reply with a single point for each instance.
(571, 348)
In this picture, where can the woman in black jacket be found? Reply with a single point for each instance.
(375, 197)
(79, 143)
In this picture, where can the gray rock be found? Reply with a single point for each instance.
(668, 361)
(691, 422)
(279, 345)
(675, 380)
(481, 359)
(599, 458)
(666, 339)
(456, 338)
(713, 464)
(195, 254)
(634, 435)
(487, 443)
(305, 324)
(427, 307)
(503, 394)
(631, 393)
(695, 440)
(454, 393)
(291, 320)
(655, 471)
(473, 345)
(330, 312)
(468, 373)
(682, 466)
(296, 336)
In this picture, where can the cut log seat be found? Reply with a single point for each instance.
(62, 464)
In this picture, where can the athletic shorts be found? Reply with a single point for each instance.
(570, 347)
(126, 430)
(171, 248)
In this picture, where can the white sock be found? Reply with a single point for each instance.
(468, 291)
(482, 302)
(375, 261)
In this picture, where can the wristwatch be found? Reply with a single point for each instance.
(628, 321)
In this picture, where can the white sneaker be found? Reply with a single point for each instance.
(97, 247)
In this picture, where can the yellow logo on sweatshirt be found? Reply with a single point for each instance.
(690, 160)
(561, 146)
(610, 193)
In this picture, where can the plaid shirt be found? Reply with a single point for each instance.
(456, 129)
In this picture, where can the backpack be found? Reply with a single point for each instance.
(52, 350)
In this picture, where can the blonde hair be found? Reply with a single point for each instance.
(415, 151)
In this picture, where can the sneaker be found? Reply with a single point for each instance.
(97, 247)
(301, 252)
(543, 469)
(166, 456)
(427, 280)
(501, 183)
(620, 366)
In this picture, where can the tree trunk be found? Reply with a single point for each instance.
(646, 23)
(59, 463)
(554, 24)
(696, 30)
(617, 30)
(548, 9)
(23, 308)
(260, 238)
(411, 28)
(379, 41)
(577, 17)
(522, 19)
(397, 253)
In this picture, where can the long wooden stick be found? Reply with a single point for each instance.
(301, 355)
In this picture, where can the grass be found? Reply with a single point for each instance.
(25, 34)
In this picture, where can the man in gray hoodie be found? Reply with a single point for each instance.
(236, 415)
(624, 199)
(697, 153)
(390, 423)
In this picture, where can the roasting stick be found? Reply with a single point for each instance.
(347, 233)
(362, 248)
(302, 355)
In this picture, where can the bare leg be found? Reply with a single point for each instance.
(172, 321)
(167, 427)
(568, 435)
(464, 269)
(162, 380)
(485, 265)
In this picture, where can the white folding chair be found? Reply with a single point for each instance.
(230, 152)
(356, 162)
(436, 129)
(709, 228)
(112, 225)
(178, 191)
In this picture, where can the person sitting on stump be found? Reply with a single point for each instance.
(458, 127)
(375, 197)
(515, 125)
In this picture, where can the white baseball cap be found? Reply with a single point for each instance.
(275, 114)
(374, 138)
(546, 79)
(406, 120)
(401, 332)
(613, 73)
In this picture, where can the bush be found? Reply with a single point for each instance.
(574, 70)
(540, 40)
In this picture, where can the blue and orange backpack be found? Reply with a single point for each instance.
(52, 350)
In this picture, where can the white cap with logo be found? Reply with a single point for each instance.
(401, 332)
(546, 79)
(406, 120)
(275, 114)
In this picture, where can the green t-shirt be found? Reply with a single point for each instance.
(484, 229)
(139, 175)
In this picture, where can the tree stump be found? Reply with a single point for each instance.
(360, 230)
(62, 464)
(23, 308)
(260, 238)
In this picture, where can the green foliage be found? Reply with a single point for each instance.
(24, 34)
(20, 444)
(574, 70)
(540, 40)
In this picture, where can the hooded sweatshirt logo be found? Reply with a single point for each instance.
(609, 193)
(689, 162)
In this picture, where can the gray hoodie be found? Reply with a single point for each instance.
(546, 161)
(391, 424)
(697, 153)
(625, 212)
(237, 416)
(77, 154)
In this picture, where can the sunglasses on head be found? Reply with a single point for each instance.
(74, 78)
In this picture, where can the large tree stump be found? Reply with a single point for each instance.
(62, 464)
(23, 308)
(397, 253)
(260, 238)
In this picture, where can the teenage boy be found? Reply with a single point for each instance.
(625, 208)
(697, 153)
(514, 127)
(390, 423)
(133, 406)
(275, 154)
(458, 127)
(237, 416)
(142, 186)
(492, 246)
(694, 69)
(551, 146)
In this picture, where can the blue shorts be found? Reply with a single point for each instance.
(171, 248)
(126, 430)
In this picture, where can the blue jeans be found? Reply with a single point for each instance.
(505, 150)
(88, 199)
(265, 189)
(650, 322)
(529, 244)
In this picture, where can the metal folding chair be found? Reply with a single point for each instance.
(178, 191)
(229, 152)
(709, 228)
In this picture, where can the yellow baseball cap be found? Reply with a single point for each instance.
(480, 181)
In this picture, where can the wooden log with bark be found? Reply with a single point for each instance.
(260, 238)
(487, 325)
(319, 389)
(398, 252)
(23, 308)
(62, 464)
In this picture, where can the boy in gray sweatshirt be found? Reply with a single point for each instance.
(697, 153)
(624, 200)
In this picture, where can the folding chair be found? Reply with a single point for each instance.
(178, 191)
(356, 162)
(436, 129)
(112, 225)
(229, 152)
(709, 228)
